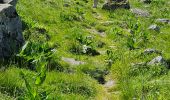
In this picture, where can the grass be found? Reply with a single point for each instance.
(60, 28)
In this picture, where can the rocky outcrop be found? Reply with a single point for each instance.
(11, 37)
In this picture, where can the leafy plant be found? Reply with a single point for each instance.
(33, 90)
(135, 37)
(39, 56)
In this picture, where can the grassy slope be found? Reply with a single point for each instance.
(64, 24)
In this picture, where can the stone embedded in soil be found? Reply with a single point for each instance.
(158, 60)
(163, 20)
(146, 1)
(89, 50)
(117, 4)
(150, 51)
(109, 84)
(72, 61)
(93, 31)
(140, 12)
(154, 27)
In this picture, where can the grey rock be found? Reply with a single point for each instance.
(163, 20)
(146, 1)
(109, 84)
(107, 23)
(89, 50)
(158, 60)
(100, 33)
(140, 12)
(117, 4)
(154, 27)
(102, 52)
(66, 5)
(11, 37)
(72, 61)
(150, 51)
(12, 2)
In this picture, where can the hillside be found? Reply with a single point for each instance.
(73, 51)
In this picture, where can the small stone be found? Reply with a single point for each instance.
(107, 23)
(109, 84)
(140, 12)
(66, 5)
(102, 52)
(163, 20)
(72, 61)
(100, 33)
(149, 51)
(154, 27)
(89, 50)
(158, 60)
(146, 1)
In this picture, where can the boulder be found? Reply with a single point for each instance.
(117, 4)
(10, 31)
(12, 2)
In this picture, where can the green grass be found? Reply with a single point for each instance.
(48, 25)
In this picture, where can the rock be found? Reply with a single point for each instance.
(89, 50)
(100, 33)
(72, 61)
(158, 60)
(149, 51)
(117, 5)
(140, 12)
(163, 20)
(118, 1)
(109, 84)
(154, 27)
(146, 1)
(107, 23)
(102, 52)
(66, 5)
(11, 38)
(12, 2)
